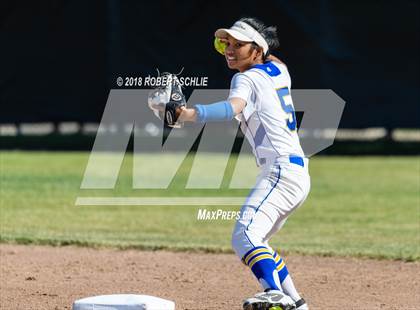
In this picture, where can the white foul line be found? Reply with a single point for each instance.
(161, 201)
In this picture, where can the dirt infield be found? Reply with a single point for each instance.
(38, 277)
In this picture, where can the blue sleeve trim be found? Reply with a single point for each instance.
(215, 112)
(268, 68)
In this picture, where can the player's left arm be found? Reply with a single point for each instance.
(238, 104)
(219, 111)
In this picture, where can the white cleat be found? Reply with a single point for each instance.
(273, 299)
(301, 305)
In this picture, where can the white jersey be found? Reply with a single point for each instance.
(268, 119)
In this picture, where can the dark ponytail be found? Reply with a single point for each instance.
(269, 33)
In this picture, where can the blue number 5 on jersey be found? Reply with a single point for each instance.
(282, 92)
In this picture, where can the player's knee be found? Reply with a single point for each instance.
(244, 240)
(236, 242)
(240, 242)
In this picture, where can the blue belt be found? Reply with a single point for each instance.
(297, 160)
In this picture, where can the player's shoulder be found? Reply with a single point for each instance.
(242, 78)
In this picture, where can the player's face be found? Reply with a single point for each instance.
(240, 55)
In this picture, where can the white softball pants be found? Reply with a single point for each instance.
(280, 189)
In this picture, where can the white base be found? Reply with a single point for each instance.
(123, 302)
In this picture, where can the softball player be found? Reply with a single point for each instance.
(260, 99)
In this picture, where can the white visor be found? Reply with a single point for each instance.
(243, 32)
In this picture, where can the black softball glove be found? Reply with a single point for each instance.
(166, 101)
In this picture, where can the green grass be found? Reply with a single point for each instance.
(358, 206)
